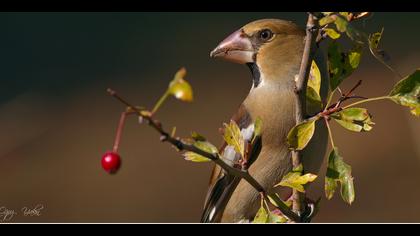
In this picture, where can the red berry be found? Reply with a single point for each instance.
(111, 162)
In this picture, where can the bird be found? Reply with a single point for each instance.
(272, 49)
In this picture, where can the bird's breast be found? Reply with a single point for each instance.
(275, 107)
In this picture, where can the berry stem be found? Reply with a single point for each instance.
(119, 132)
(160, 102)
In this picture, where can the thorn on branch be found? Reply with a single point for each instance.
(111, 92)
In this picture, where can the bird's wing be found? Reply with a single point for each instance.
(221, 184)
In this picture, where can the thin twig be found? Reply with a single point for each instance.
(300, 101)
(343, 98)
(215, 157)
(329, 131)
(368, 100)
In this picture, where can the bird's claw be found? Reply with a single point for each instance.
(311, 210)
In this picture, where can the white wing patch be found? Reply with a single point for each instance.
(230, 156)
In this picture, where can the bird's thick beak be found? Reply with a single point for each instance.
(235, 48)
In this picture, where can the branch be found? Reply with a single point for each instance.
(312, 29)
(215, 157)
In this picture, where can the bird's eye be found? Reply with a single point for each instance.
(265, 35)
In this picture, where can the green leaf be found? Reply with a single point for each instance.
(233, 137)
(194, 157)
(314, 80)
(345, 14)
(287, 203)
(330, 187)
(206, 146)
(341, 23)
(332, 33)
(296, 180)
(275, 218)
(300, 135)
(407, 92)
(354, 59)
(313, 98)
(374, 39)
(326, 20)
(203, 145)
(416, 111)
(313, 101)
(197, 137)
(342, 64)
(347, 189)
(336, 62)
(339, 172)
(180, 88)
(261, 216)
(354, 119)
(298, 169)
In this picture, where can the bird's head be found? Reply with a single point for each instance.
(270, 47)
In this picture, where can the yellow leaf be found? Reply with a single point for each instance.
(233, 137)
(300, 135)
(407, 92)
(194, 157)
(203, 145)
(262, 216)
(332, 33)
(296, 181)
(314, 80)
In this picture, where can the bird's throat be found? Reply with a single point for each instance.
(256, 76)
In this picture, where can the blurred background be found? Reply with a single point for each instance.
(56, 119)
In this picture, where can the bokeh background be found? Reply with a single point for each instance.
(56, 119)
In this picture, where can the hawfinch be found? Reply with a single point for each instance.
(272, 49)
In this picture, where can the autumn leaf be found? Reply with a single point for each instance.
(197, 137)
(300, 135)
(332, 33)
(342, 24)
(261, 216)
(407, 93)
(342, 64)
(338, 172)
(374, 41)
(354, 119)
(204, 146)
(296, 180)
(313, 98)
(233, 137)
